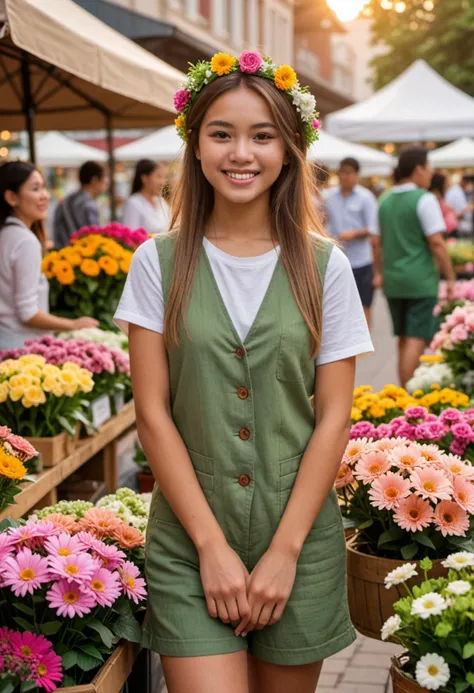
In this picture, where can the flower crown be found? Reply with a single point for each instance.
(251, 63)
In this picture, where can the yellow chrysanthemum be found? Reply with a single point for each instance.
(34, 396)
(222, 63)
(10, 466)
(125, 265)
(356, 414)
(21, 380)
(32, 359)
(71, 366)
(16, 393)
(3, 392)
(113, 249)
(361, 389)
(64, 272)
(50, 383)
(285, 77)
(58, 391)
(32, 370)
(179, 121)
(49, 369)
(71, 255)
(387, 402)
(376, 411)
(86, 382)
(431, 358)
(47, 264)
(90, 268)
(418, 393)
(109, 265)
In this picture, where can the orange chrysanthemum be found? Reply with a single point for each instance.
(100, 522)
(108, 264)
(90, 268)
(68, 523)
(222, 63)
(285, 77)
(128, 537)
(64, 272)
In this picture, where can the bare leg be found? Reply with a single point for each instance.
(213, 674)
(274, 678)
(409, 351)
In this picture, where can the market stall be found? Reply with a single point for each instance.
(458, 154)
(55, 149)
(330, 151)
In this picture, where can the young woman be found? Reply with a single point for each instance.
(438, 186)
(146, 207)
(23, 287)
(235, 320)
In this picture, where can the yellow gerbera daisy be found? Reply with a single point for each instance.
(90, 268)
(10, 466)
(222, 63)
(285, 77)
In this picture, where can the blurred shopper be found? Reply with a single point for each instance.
(146, 207)
(24, 288)
(320, 180)
(457, 196)
(412, 227)
(351, 212)
(80, 208)
(438, 187)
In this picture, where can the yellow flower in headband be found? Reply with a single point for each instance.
(222, 64)
(179, 122)
(285, 77)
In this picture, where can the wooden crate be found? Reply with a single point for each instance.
(113, 675)
(53, 450)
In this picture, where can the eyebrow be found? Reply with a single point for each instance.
(225, 124)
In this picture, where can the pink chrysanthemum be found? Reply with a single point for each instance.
(455, 466)
(388, 490)
(66, 523)
(371, 465)
(70, 599)
(450, 416)
(48, 671)
(354, 450)
(74, 568)
(344, 476)
(463, 492)
(29, 645)
(133, 585)
(105, 586)
(5, 431)
(22, 447)
(413, 513)
(432, 483)
(25, 572)
(451, 519)
(63, 545)
(407, 457)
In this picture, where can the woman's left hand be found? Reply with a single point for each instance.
(271, 582)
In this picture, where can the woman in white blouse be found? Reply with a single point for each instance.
(145, 207)
(24, 289)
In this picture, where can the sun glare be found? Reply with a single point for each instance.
(347, 9)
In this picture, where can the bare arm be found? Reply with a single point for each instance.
(47, 321)
(438, 249)
(376, 242)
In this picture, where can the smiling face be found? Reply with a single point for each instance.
(30, 203)
(240, 148)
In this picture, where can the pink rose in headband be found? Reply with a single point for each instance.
(316, 124)
(250, 62)
(181, 99)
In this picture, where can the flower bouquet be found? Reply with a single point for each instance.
(115, 340)
(87, 278)
(15, 453)
(434, 623)
(69, 580)
(27, 662)
(431, 374)
(127, 237)
(455, 340)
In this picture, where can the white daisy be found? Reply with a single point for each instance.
(391, 626)
(432, 672)
(401, 574)
(459, 560)
(431, 604)
(458, 587)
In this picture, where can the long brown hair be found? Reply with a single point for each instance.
(291, 206)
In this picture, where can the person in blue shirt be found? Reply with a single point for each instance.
(351, 218)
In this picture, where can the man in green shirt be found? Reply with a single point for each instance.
(412, 253)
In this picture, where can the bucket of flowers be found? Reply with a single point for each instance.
(455, 341)
(408, 500)
(75, 582)
(434, 623)
(28, 663)
(43, 402)
(129, 238)
(15, 454)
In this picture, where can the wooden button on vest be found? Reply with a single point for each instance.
(244, 434)
(243, 393)
(244, 480)
(240, 353)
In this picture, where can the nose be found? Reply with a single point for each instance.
(242, 152)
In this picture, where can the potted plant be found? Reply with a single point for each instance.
(408, 501)
(145, 478)
(434, 623)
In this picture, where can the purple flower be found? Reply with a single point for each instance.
(384, 431)
(468, 415)
(396, 423)
(406, 430)
(457, 448)
(433, 430)
(450, 416)
(462, 430)
(417, 413)
(250, 62)
(363, 429)
(181, 99)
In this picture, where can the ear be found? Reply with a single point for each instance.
(197, 153)
(11, 198)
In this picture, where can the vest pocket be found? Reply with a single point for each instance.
(294, 353)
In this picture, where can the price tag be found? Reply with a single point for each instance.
(101, 411)
(119, 401)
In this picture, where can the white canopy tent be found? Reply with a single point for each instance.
(330, 151)
(419, 105)
(162, 145)
(459, 154)
(55, 149)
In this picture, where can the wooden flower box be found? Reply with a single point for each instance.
(53, 450)
(112, 676)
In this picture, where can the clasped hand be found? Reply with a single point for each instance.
(247, 601)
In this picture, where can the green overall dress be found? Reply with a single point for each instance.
(244, 413)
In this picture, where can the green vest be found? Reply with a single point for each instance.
(409, 268)
(243, 409)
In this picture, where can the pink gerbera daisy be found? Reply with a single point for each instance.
(6, 546)
(464, 493)
(74, 568)
(63, 545)
(105, 586)
(25, 572)
(26, 534)
(344, 476)
(456, 467)
(70, 599)
(385, 444)
(432, 483)
(431, 454)
(451, 519)
(110, 557)
(354, 450)
(133, 585)
(413, 513)
(29, 645)
(407, 456)
(5, 641)
(48, 672)
(371, 465)
(388, 490)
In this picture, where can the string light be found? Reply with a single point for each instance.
(400, 7)
(428, 5)
(389, 148)
(5, 134)
(3, 151)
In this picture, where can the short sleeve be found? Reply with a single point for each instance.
(430, 215)
(26, 262)
(142, 298)
(131, 214)
(345, 332)
(371, 213)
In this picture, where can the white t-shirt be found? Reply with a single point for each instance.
(140, 213)
(428, 210)
(24, 289)
(243, 283)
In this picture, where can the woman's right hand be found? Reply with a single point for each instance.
(224, 578)
(81, 323)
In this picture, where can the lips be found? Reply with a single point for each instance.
(241, 177)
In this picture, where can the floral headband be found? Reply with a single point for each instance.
(250, 63)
